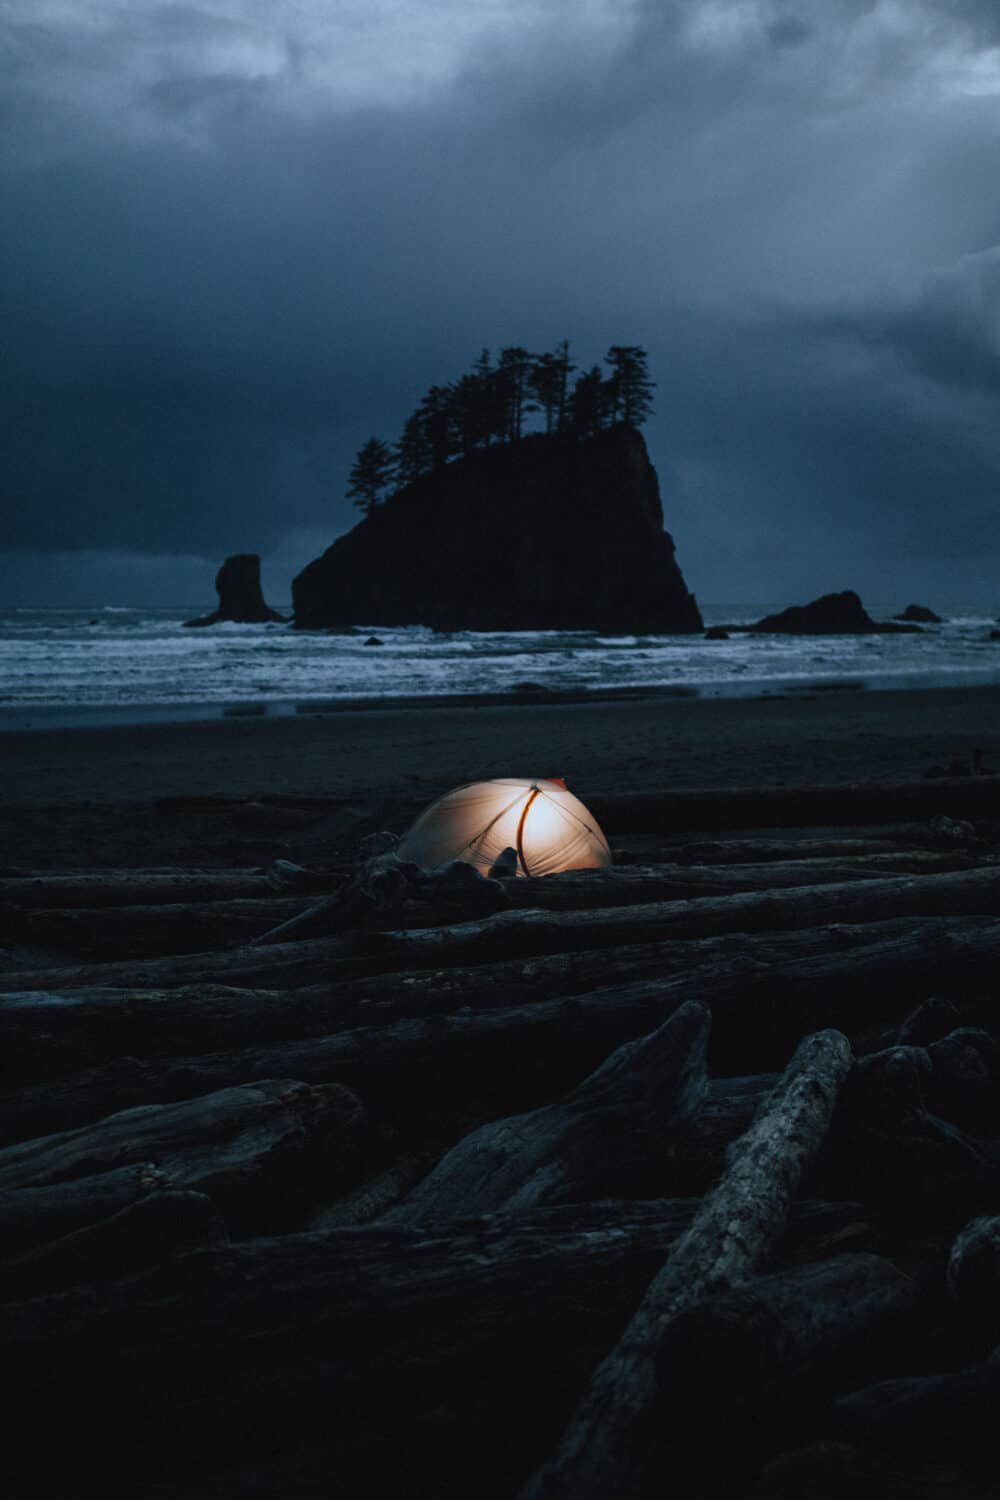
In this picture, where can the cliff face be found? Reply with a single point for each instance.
(546, 534)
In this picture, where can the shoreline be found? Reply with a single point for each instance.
(42, 718)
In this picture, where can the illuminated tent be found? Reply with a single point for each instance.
(549, 828)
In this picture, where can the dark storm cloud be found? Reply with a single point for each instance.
(239, 244)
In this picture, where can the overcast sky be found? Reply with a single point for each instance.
(239, 237)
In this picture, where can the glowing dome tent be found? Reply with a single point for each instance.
(550, 829)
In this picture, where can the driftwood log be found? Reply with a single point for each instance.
(260, 1151)
(573, 1149)
(379, 1340)
(837, 1471)
(738, 1224)
(502, 1061)
(775, 1323)
(530, 932)
(575, 890)
(385, 1332)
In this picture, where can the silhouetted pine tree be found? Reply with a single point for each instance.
(435, 415)
(630, 388)
(512, 374)
(471, 415)
(565, 367)
(589, 403)
(372, 472)
(413, 452)
(545, 382)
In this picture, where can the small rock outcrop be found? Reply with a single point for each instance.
(550, 533)
(717, 633)
(240, 598)
(833, 614)
(919, 614)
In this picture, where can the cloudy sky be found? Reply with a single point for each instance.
(241, 236)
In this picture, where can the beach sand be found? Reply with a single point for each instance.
(136, 796)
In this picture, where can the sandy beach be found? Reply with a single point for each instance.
(130, 795)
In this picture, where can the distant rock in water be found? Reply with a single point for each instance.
(833, 614)
(717, 633)
(549, 533)
(919, 614)
(240, 599)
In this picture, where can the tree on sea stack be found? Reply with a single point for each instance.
(372, 473)
(631, 390)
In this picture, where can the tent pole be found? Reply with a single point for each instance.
(520, 829)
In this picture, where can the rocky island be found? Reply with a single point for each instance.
(550, 533)
(473, 521)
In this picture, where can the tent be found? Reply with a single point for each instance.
(550, 829)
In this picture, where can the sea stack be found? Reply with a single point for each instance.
(550, 533)
(832, 614)
(240, 598)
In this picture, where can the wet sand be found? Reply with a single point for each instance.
(106, 796)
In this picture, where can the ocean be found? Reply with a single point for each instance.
(70, 667)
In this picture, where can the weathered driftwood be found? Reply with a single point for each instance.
(384, 883)
(895, 840)
(787, 807)
(974, 1274)
(530, 932)
(100, 888)
(933, 1019)
(124, 932)
(906, 1155)
(221, 1356)
(149, 1230)
(837, 1471)
(218, 1357)
(571, 1149)
(252, 1149)
(546, 1046)
(631, 885)
(47, 1033)
(419, 905)
(735, 1227)
(33, 1215)
(288, 964)
(774, 1323)
(929, 1416)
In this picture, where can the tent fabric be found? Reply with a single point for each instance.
(549, 827)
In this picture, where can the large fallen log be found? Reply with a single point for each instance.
(100, 888)
(530, 932)
(633, 884)
(33, 1215)
(907, 1157)
(150, 1230)
(289, 964)
(45, 1033)
(924, 1416)
(493, 1062)
(772, 1324)
(222, 1356)
(894, 839)
(735, 1227)
(836, 1471)
(586, 890)
(262, 1152)
(787, 807)
(124, 932)
(573, 1149)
